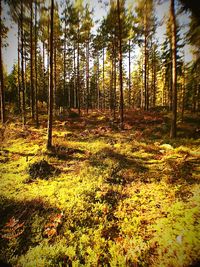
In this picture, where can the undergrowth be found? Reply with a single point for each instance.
(100, 197)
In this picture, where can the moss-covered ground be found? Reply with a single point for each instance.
(113, 198)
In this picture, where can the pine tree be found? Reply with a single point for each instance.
(2, 98)
(86, 30)
(50, 97)
(146, 24)
(174, 71)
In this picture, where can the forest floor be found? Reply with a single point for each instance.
(101, 197)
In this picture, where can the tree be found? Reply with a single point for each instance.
(146, 24)
(58, 62)
(12, 88)
(86, 29)
(174, 71)
(36, 71)
(116, 38)
(2, 99)
(50, 97)
(17, 11)
(193, 37)
(120, 66)
(43, 31)
(31, 61)
(22, 62)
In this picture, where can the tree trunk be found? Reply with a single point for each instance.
(114, 79)
(65, 93)
(22, 66)
(98, 89)
(25, 77)
(170, 81)
(87, 73)
(31, 63)
(140, 72)
(120, 69)
(75, 79)
(3, 118)
(198, 94)
(78, 73)
(129, 73)
(103, 82)
(115, 86)
(18, 66)
(154, 77)
(195, 94)
(174, 73)
(55, 79)
(48, 55)
(50, 105)
(183, 95)
(36, 73)
(147, 84)
(145, 72)
(111, 86)
(78, 82)
(44, 71)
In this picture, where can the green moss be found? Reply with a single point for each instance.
(125, 200)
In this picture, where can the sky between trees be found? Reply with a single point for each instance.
(100, 10)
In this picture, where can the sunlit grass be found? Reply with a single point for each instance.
(125, 200)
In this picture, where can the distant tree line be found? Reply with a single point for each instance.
(64, 64)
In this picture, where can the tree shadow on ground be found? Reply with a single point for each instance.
(21, 226)
(122, 161)
(65, 153)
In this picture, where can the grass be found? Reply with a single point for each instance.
(120, 198)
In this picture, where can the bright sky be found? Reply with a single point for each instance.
(10, 53)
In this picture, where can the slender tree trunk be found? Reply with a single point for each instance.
(145, 72)
(129, 73)
(183, 95)
(55, 79)
(154, 77)
(103, 82)
(44, 71)
(48, 54)
(174, 73)
(75, 79)
(154, 86)
(120, 69)
(87, 73)
(18, 74)
(98, 89)
(111, 88)
(50, 105)
(2, 99)
(163, 96)
(195, 94)
(36, 72)
(68, 90)
(140, 72)
(22, 66)
(115, 84)
(198, 94)
(31, 63)
(78, 73)
(65, 93)
(147, 84)
(171, 80)
(112, 80)
(43, 57)
(145, 59)
(25, 77)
